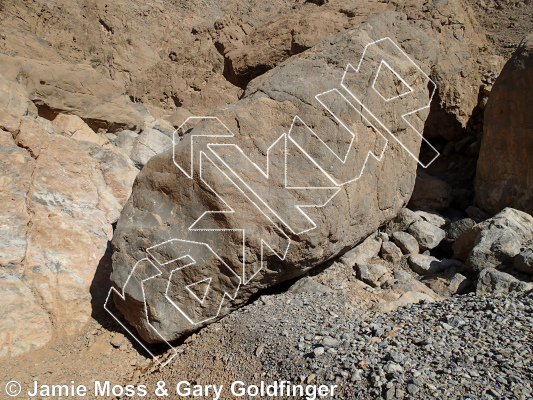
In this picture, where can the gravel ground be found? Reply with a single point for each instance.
(466, 347)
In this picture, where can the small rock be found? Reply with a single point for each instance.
(117, 340)
(392, 368)
(432, 217)
(318, 351)
(402, 275)
(424, 265)
(391, 252)
(412, 388)
(357, 375)
(404, 219)
(406, 242)
(364, 274)
(378, 270)
(362, 253)
(524, 261)
(383, 236)
(328, 341)
(427, 235)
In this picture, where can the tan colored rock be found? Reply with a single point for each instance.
(58, 199)
(13, 104)
(80, 90)
(448, 283)
(363, 252)
(504, 175)
(405, 299)
(118, 170)
(149, 143)
(274, 42)
(74, 127)
(32, 136)
(179, 116)
(166, 204)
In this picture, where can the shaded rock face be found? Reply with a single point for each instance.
(504, 176)
(179, 247)
(430, 193)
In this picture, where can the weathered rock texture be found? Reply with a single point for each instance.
(191, 54)
(59, 196)
(494, 241)
(166, 204)
(504, 176)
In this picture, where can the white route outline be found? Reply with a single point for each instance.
(285, 136)
(404, 115)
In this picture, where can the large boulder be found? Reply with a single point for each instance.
(494, 241)
(491, 280)
(504, 176)
(180, 260)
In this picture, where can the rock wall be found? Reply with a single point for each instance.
(504, 176)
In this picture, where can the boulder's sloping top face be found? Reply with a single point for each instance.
(304, 167)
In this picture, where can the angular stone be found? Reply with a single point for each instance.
(74, 127)
(406, 242)
(457, 228)
(378, 270)
(494, 241)
(149, 143)
(491, 280)
(390, 252)
(364, 275)
(14, 103)
(433, 217)
(413, 285)
(427, 235)
(362, 253)
(404, 219)
(125, 141)
(524, 261)
(424, 265)
(448, 283)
